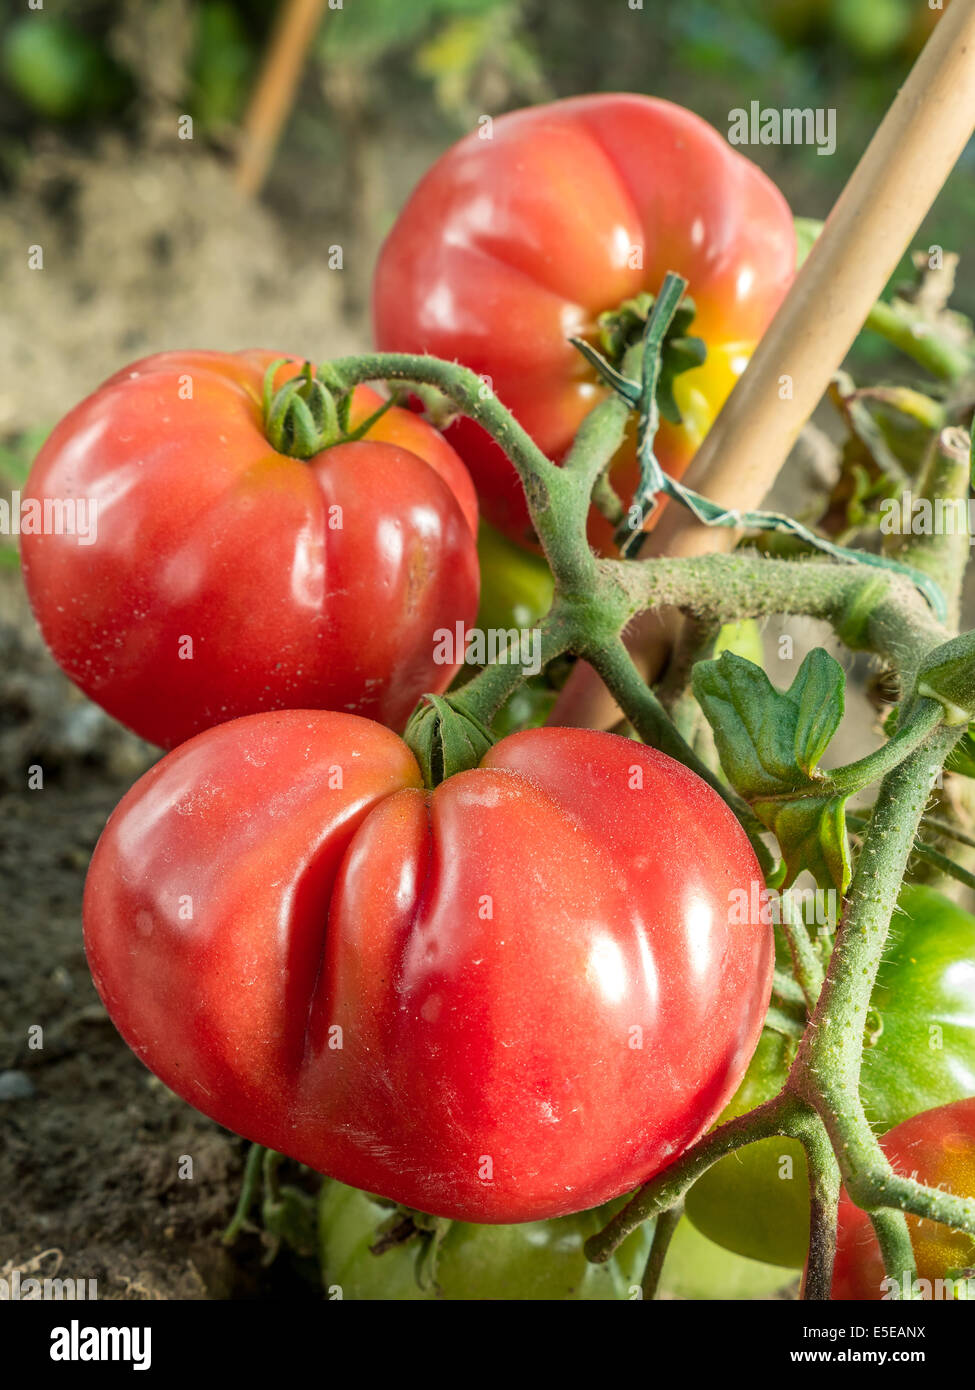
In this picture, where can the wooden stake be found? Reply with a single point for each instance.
(274, 94)
(873, 221)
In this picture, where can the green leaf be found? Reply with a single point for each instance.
(770, 743)
(948, 675)
(819, 685)
(812, 834)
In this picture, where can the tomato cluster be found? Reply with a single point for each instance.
(509, 996)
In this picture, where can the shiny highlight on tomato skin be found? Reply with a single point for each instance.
(510, 998)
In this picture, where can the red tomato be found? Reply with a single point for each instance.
(225, 577)
(937, 1148)
(512, 243)
(511, 998)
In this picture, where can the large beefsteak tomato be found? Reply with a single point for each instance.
(223, 577)
(510, 998)
(527, 231)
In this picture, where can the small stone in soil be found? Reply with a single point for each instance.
(16, 1085)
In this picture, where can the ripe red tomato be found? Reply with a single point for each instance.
(226, 577)
(938, 1148)
(511, 998)
(523, 233)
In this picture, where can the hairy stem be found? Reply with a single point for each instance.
(874, 611)
(824, 1196)
(890, 1228)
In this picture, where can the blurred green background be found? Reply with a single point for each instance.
(151, 241)
(384, 74)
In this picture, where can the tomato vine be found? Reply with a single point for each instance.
(882, 610)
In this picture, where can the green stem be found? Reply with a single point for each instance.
(889, 1189)
(663, 1232)
(924, 717)
(869, 610)
(824, 1196)
(469, 392)
(949, 831)
(662, 1192)
(942, 555)
(937, 355)
(550, 492)
(606, 500)
(781, 1022)
(787, 989)
(928, 853)
(806, 964)
(248, 1193)
(826, 1072)
(896, 1250)
(485, 693)
(832, 1049)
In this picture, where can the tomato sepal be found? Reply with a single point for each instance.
(445, 738)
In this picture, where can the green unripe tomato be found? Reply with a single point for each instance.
(744, 639)
(755, 1202)
(920, 1044)
(533, 1260)
(696, 1268)
(871, 29)
(919, 1053)
(516, 586)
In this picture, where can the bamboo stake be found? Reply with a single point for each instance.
(883, 204)
(274, 94)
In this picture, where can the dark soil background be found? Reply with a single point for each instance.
(148, 244)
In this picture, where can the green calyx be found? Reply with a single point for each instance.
(445, 738)
(404, 1227)
(302, 417)
(948, 676)
(622, 327)
(310, 412)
